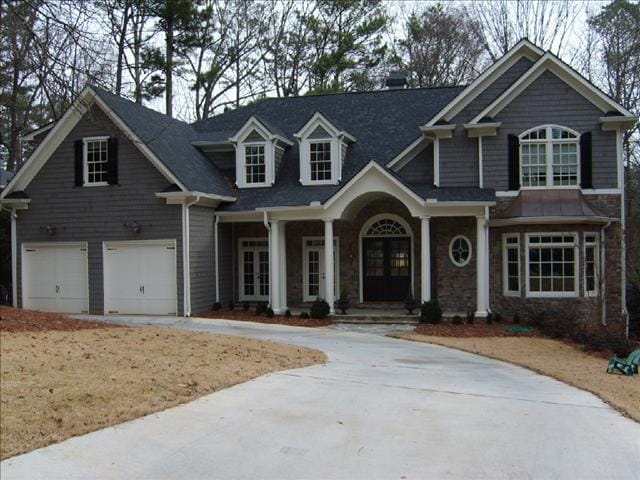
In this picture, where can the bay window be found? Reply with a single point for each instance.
(552, 265)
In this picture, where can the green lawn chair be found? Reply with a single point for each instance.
(627, 366)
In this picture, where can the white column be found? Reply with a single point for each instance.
(274, 266)
(482, 267)
(283, 266)
(425, 260)
(328, 263)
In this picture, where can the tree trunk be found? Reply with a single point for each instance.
(169, 69)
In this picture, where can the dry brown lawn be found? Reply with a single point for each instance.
(556, 359)
(59, 384)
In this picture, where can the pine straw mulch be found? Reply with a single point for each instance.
(250, 316)
(20, 320)
(466, 330)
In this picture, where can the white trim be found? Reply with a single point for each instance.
(617, 122)
(576, 262)
(596, 261)
(216, 246)
(480, 160)
(457, 237)
(524, 48)
(409, 153)
(564, 72)
(501, 222)
(329, 266)
(274, 265)
(305, 160)
(241, 163)
(317, 119)
(436, 161)
(53, 244)
(425, 259)
(254, 123)
(305, 265)
(178, 198)
(484, 129)
(585, 191)
(29, 137)
(14, 258)
(505, 269)
(365, 227)
(85, 160)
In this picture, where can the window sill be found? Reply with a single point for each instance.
(312, 183)
(97, 184)
(552, 295)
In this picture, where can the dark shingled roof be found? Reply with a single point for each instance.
(170, 140)
(550, 203)
(383, 122)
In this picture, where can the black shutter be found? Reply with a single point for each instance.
(112, 161)
(586, 168)
(514, 162)
(79, 162)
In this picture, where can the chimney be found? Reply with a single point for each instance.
(396, 80)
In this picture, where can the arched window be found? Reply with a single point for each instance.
(549, 157)
(386, 227)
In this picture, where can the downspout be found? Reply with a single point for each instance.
(186, 260)
(603, 311)
(215, 240)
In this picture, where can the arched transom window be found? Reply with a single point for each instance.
(386, 227)
(549, 157)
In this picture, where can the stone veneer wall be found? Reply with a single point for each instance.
(580, 307)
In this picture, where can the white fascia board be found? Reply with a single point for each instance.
(485, 129)
(551, 63)
(181, 197)
(48, 146)
(439, 131)
(524, 48)
(615, 122)
(317, 119)
(408, 153)
(251, 124)
(501, 222)
(220, 146)
(29, 137)
(17, 203)
(372, 165)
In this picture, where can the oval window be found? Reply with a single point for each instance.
(460, 250)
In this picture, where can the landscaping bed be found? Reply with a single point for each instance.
(470, 330)
(250, 316)
(559, 359)
(76, 376)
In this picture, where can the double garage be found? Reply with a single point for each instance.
(138, 277)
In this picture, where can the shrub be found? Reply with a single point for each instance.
(304, 315)
(471, 317)
(430, 312)
(269, 312)
(497, 317)
(287, 313)
(217, 306)
(456, 320)
(261, 308)
(516, 319)
(231, 305)
(319, 309)
(245, 306)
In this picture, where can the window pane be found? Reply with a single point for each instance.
(96, 161)
(551, 267)
(320, 161)
(533, 159)
(255, 169)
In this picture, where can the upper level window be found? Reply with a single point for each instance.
(549, 157)
(320, 160)
(255, 166)
(95, 161)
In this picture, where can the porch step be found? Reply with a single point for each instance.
(376, 316)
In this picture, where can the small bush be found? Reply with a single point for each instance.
(489, 318)
(497, 317)
(231, 305)
(245, 306)
(319, 309)
(261, 308)
(304, 315)
(516, 319)
(430, 312)
(287, 313)
(217, 306)
(269, 312)
(471, 317)
(456, 320)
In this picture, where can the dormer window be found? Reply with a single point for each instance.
(323, 147)
(549, 157)
(259, 150)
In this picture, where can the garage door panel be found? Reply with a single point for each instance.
(140, 278)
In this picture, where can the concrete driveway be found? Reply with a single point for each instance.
(380, 408)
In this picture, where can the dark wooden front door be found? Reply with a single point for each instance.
(386, 266)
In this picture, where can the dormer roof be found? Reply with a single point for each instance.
(319, 119)
(264, 129)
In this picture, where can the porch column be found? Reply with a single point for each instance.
(328, 263)
(283, 266)
(482, 267)
(274, 266)
(425, 260)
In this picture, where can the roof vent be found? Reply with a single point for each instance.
(396, 80)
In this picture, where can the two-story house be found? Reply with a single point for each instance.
(505, 195)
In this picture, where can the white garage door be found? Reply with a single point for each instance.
(54, 277)
(140, 277)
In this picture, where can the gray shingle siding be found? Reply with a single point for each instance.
(96, 214)
(548, 100)
(319, 132)
(254, 136)
(459, 154)
(420, 168)
(202, 258)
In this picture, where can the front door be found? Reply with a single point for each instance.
(254, 269)
(386, 268)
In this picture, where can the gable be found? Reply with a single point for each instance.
(254, 136)
(319, 132)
